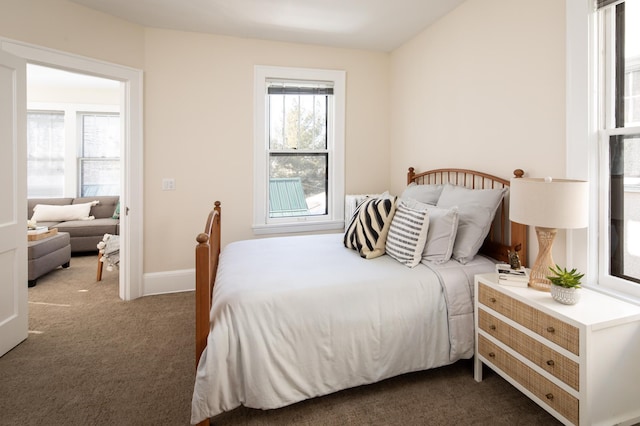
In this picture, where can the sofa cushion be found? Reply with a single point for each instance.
(40, 248)
(105, 207)
(49, 224)
(83, 228)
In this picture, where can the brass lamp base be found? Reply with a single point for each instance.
(538, 278)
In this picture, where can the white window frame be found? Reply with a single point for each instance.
(587, 149)
(606, 68)
(334, 219)
(80, 156)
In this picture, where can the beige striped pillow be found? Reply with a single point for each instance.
(407, 235)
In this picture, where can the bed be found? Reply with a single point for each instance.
(284, 319)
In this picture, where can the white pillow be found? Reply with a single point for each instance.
(53, 213)
(443, 227)
(407, 235)
(476, 209)
(427, 194)
(441, 236)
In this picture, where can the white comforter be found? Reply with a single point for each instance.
(298, 317)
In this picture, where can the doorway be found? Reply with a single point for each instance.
(131, 176)
(74, 129)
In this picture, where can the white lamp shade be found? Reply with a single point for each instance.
(549, 203)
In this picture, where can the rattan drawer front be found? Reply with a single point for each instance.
(546, 358)
(552, 329)
(551, 394)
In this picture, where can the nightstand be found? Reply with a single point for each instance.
(581, 363)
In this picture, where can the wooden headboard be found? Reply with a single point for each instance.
(504, 235)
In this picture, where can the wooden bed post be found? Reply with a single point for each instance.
(202, 294)
(207, 252)
(410, 174)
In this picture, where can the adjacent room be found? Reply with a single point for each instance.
(73, 164)
(345, 212)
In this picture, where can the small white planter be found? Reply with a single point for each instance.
(567, 296)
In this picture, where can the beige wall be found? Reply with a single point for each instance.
(90, 96)
(199, 130)
(69, 27)
(483, 88)
(198, 114)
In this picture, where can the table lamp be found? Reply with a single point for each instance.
(548, 204)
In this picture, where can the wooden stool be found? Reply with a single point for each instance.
(100, 265)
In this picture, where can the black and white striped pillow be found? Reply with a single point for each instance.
(367, 231)
(408, 235)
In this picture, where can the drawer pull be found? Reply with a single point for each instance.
(492, 327)
(492, 355)
(550, 362)
(551, 329)
(549, 396)
(492, 300)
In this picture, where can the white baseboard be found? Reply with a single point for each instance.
(169, 282)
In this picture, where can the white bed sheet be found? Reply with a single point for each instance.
(299, 317)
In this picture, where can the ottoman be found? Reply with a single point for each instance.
(47, 254)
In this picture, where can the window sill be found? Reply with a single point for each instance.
(287, 228)
(631, 298)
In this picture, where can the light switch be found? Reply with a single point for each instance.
(168, 184)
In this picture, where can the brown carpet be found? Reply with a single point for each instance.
(92, 359)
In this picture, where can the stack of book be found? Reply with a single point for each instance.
(512, 277)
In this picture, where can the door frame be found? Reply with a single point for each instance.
(131, 162)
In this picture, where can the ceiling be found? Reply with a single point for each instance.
(381, 25)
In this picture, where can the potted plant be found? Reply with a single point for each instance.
(565, 284)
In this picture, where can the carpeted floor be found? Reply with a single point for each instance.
(92, 359)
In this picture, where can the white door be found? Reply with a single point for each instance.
(13, 197)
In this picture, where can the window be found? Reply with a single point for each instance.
(45, 154)
(619, 140)
(72, 153)
(299, 150)
(99, 164)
